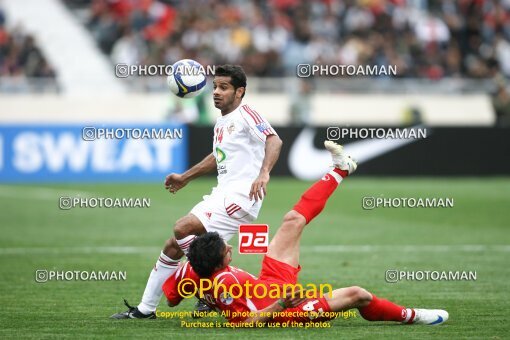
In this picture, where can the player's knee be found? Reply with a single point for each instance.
(182, 228)
(359, 295)
(188, 225)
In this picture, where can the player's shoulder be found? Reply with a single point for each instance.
(226, 276)
(185, 271)
(248, 111)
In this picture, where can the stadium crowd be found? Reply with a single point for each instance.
(424, 38)
(20, 58)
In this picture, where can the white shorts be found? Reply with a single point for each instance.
(224, 212)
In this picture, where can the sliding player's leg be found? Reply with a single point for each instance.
(285, 244)
(373, 308)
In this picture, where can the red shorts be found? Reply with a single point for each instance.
(274, 271)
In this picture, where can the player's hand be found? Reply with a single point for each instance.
(258, 187)
(175, 182)
(294, 296)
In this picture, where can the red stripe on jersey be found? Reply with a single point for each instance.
(231, 206)
(231, 209)
(234, 208)
(181, 271)
(256, 114)
(248, 111)
(258, 119)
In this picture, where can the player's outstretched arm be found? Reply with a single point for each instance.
(272, 152)
(175, 182)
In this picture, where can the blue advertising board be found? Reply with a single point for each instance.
(64, 153)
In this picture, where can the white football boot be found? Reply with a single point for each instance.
(341, 160)
(429, 316)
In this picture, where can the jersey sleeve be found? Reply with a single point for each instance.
(258, 126)
(227, 302)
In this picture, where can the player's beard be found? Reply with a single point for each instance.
(227, 104)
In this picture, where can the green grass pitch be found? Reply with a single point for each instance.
(36, 234)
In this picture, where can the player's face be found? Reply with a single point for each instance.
(225, 97)
(227, 257)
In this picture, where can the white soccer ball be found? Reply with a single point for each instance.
(188, 78)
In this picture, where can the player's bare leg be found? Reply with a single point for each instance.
(373, 308)
(185, 231)
(285, 244)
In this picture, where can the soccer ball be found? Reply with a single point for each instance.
(187, 79)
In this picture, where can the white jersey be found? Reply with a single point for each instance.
(239, 149)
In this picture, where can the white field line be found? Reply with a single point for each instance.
(469, 248)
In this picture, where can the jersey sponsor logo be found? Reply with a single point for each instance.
(208, 215)
(220, 155)
(222, 169)
(226, 299)
(231, 128)
(253, 238)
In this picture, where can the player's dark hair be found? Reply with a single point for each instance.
(236, 74)
(206, 253)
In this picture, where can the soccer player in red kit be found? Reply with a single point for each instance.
(209, 258)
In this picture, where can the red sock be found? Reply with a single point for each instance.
(314, 199)
(384, 310)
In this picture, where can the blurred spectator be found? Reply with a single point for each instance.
(424, 38)
(191, 110)
(501, 102)
(20, 58)
(129, 49)
(301, 102)
(503, 54)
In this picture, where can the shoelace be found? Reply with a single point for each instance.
(131, 308)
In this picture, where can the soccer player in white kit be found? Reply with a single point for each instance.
(245, 149)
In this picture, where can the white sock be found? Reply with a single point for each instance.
(409, 314)
(163, 269)
(185, 243)
(336, 176)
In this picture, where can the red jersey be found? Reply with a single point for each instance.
(237, 281)
(247, 293)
